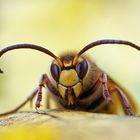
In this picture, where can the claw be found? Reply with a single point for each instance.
(36, 108)
(38, 105)
(129, 111)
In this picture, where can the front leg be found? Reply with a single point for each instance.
(125, 102)
(45, 81)
(39, 96)
(106, 93)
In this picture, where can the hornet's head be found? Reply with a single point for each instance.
(69, 76)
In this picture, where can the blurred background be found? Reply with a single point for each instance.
(65, 26)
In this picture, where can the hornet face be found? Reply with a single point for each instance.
(69, 77)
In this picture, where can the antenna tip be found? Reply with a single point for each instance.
(0, 53)
(1, 71)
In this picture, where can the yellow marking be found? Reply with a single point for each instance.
(77, 89)
(75, 60)
(67, 63)
(58, 60)
(68, 77)
(62, 90)
(70, 100)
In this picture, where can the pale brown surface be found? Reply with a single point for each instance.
(79, 125)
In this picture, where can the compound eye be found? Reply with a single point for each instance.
(55, 71)
(82, 68)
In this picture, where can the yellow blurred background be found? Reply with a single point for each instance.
(63, 26)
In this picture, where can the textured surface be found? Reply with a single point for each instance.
(76, 125)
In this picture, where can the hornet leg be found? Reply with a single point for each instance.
(30, 98)
(125, 102)
(44, 81)
(106, 93)
(39, 96)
